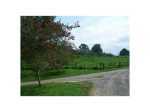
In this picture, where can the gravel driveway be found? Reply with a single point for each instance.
(112, 83)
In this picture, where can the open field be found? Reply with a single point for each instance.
(92, 62)
(57, 89)
(80, 65)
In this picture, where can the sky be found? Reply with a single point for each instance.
(112, 32)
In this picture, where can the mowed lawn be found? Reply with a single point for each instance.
(57, 89)
(76, 67)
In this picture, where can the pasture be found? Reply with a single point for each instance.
(79, 65)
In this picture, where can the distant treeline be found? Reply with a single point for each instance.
(97, 50)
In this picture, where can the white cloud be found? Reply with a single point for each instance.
(110, 32)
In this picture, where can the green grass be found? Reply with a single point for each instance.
(29, 75)
(57, 89)
(79, 61)
(95, 60)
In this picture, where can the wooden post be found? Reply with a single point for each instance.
(38, 78)
(119, 64)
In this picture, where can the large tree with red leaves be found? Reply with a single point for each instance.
(45, 42)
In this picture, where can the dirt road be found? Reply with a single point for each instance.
(112, 83)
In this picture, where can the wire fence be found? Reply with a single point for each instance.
(100, 66)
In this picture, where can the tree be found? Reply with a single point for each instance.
(84, 49)
(44, 42)
(124, 52)
(96, 49)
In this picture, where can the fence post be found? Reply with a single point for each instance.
(119, 64)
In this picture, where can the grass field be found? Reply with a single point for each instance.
(80, 65)
(29, 75)
(57, 89)
(92, 61)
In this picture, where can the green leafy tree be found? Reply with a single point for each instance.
(44, 42)
(124, 52)
(84, 49)
(96, 49)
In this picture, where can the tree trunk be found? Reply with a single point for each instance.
(38, 78)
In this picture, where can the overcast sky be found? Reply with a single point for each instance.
(112, 32)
